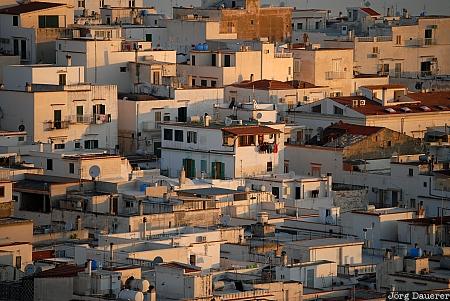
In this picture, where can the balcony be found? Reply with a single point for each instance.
(101, 119)
(283, 55)
(81, 119)
(268, 148)
(420, 42)
(56, 125)
(330, 75)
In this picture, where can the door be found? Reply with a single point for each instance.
(276, 192)
(79, 114)
(157, 148)
(57, 119)
(189, 167)
(425, 68)
(310, 278)
(182, 114)
(23, 49)
(16, 47)
(218, 170)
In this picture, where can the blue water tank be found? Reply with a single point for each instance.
(142, 186)
(205, 47)
(199, 47)
(415, 252)
(94, 265)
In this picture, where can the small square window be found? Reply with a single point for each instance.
(411, 172)
(123, 69)
(179, 135)
(425, 184)
(60, 146)
(49, 164)
(269, 166)
(21, 138)
(77, 144)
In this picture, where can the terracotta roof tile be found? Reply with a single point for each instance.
(250, 130)
(266, 84)
(28, 8)
(64, 270)
(369, 11)
(388, 86)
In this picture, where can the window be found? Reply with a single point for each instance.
(166, 117)
(21, 138)
(227, 60)
(213, 83)
(299, 26)
(71, 168)
(375, 50)
(179, 135)
(77, 144)
(98, 109)
(62, 79)
(425, 184)
(49, 164)
(297, 192)
(48, 21)
(411, 172)
(314, 193)
(213, 59)
(148, 37)
(252, 22)
(168, 134)
(102, 3)
(269, 166)
(15, 20)
(123, 69)
(57, 119)
(60, 146)
(246, 140)
(193, 60)
(80, 111)
(131, 3)
(19, 262)
(398, 40)
(338, 111)
(289, 70)
(318, 25)
(412, 203)
(91, 144)
(316, 109)
(398, 69)
(383, 68)
(203, 166)
(193, 83)
(203, 83)
(81, 3)
(191, 137)
(2, 191)
(156, 76)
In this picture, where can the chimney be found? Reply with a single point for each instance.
(111, 254)
(141, 208)
(284, 259)
(69, 60)
(89, 267)
(182, 177)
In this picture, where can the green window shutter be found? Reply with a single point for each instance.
(193, 173)
(213, 170)
(222, 171)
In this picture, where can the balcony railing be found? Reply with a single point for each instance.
(334, 75)
(56, 125)
(89, 119)
(420, 42)
(283, 54)
(100, 119)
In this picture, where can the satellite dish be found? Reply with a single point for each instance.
(225, 220)
(259, 116)
(94, 171)
(228, 121)
(21, 128)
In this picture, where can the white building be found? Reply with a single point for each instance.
(219, 151)
(377, 227)
(286, 95)
(106, 60)
(210, 68)
(140, 116)
(295, 190)
(54, 104)
(389, 106)
(316, 274)
(331, 67)
(30, 30)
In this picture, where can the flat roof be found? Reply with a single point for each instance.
(13, 220)
(251, 130)
(325, 242)
(384, 211)
(387, 86)
(211, 191)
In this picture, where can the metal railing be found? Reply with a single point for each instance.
(283, 54)
(56, 125)
(329, 75)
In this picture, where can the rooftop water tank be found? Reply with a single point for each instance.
(130, 295)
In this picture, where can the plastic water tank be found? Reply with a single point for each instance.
(130, 295)
(199, 47)
(94, 264)
(142, 186)
(205, 47)
(415, 252)
(141, 285)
